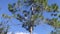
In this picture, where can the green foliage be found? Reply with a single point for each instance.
(3, 29)
(53, 32)
(19, 17)
(48, 8)
(54, 7)
(54, 22)
(38, 6)
(59, 15)
(10, 7)
(34, 17)
(6, 16)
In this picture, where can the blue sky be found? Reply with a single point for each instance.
(40, 29)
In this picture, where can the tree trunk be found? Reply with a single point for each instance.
(31, 30)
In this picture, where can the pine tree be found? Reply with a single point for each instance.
(32, 18)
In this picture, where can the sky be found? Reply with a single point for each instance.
(40, 29)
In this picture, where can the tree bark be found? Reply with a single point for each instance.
(31, 30)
